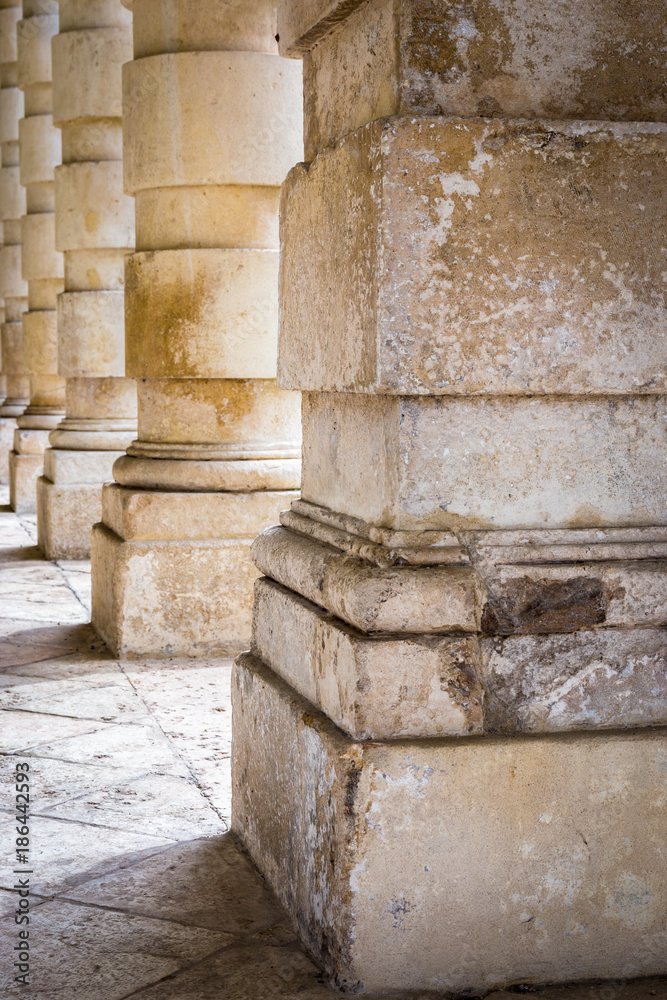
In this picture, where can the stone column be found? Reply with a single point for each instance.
(95, 230)
(211, 125)
(15, 387)
(42, 265)
(444, 756)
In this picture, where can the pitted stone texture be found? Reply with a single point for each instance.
(383, 859)
(373, 688)
(495, 462)
(481, 58)
(167, 598)
(497, 269)
(605, 679)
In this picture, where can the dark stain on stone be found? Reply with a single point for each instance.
(351, 785)
(529, 607)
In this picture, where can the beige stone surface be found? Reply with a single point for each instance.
(249, 26)
(370, 598)
(185, 597)
(65, 516)
(471, 278)
(381, 852)
(23, 473)
(209, 313)
(140, 515)
(386, 687)
(81, 355)
(479, 59)
(238, 122)
(493, 462)
(7, 428)
(605, 679)
(75, 51)
(92, 213)
(241, 418)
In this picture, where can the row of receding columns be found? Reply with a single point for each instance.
(448, 758)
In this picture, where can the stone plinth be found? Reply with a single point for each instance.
(211, 125)
(94, 230)
(453, 866)
(449, 730)
(15, 391)
(41, 264)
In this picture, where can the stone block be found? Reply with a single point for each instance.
(456, 866)
(202, 314)
(234, 417)
(469, 279)
(66, 514)
(34, 36)
(171, 598)
(68, 467)
(396, 599)
(239, 119)
(144, 516)
(23, 473)
(12, 194)
(39, 258)
(74, 53)
(9, 18)
(12, 284)
(7, 428)
(40, 149)
(92, 213)
(11, 111)
(40, 342)
(371, 687)
(424, 686)
(249, 26)
(603, 679)
(496, 462)
(483, 58)
(91, 334)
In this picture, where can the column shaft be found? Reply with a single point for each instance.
(95, 230)
(447, 753)
(211, 125)
(41, 264)
(15, 388)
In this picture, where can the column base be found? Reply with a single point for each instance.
(453, 865)
(7, 428)
(69, 500)
(24, 471)
(171, 572)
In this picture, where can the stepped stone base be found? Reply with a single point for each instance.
(69, 500)
(24, 471)
(453, 865)
(7, 428)
(66, 514)
(172, 574)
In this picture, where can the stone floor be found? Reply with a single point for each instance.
(137, 888)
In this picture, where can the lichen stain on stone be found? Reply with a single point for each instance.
(527, 606)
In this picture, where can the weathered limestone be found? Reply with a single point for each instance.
(95, 231)
(15, 386)
(448, 758)
(41, 263)
(211, 125)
